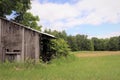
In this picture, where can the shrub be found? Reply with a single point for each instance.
(60, 47)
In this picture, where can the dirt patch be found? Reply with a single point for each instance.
(95, 54)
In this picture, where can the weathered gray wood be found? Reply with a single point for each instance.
(11, 38)
(12, 53)
(0, 43)
(29, 44)
(37, 48)
(23, 45)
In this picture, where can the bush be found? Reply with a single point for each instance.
(60, 46)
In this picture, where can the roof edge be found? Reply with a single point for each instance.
(29, 28)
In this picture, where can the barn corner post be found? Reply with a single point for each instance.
(23, 45)
(37, 47)
(0, 43)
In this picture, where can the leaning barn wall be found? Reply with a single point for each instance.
(15, 37)
(11, 38)
(31, 45)
(0, 43)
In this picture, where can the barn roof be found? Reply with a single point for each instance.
(49, 35)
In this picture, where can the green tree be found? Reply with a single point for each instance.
(72, 43)
(58, 34)
(31, 21)
(83, 43)
(91, 45)
(19, 6)
(113, 44)
(106, 44)
(63, 35)
(48, 31)
(98, 44)
(119, 42)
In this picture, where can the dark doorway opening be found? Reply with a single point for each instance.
(45, 49)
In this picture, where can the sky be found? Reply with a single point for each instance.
(95, 18)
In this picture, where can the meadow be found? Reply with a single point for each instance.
(74, 67)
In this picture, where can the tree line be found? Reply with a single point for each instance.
(82, 43)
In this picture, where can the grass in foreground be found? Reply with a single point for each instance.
(72, 68)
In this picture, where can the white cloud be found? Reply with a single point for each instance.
(63, 16)
(52, 12)
(108, 35)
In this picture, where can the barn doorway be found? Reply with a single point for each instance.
(45, 48)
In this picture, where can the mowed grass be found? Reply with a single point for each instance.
(95, 53)
(70, 68)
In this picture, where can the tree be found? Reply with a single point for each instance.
(98, 44)
(83, 43)
(106, 44)
(30, 21)
(58, 34)
(119, 42)
(91, 45)
(21, 15)
(63, 35)
(113, 44)
(19, 6)
(48, 31)
(72, 43)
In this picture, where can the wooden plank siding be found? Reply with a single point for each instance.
(0, 43)
(23, 45)
(37, 47)
(11, 38)
(29, 44)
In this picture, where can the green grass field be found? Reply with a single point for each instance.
(70, 68)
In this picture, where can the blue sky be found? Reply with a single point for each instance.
(103, 30)
(58, 1)
(95, 18)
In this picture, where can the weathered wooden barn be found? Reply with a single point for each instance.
(18, 42)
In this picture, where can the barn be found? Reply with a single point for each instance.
(19, 43)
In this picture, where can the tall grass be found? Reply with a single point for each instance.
(69, 68)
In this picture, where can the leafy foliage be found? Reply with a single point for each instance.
(119, 42)
(113, 44)
(82, 43)
(20, 6)
(30, 21)
(72, 43)
(61, 47)
(21, 15)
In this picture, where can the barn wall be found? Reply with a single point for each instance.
(31, 45)
(37, 46)
(23, 45)
(15, 37)
(11, 37)
(0, 43)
